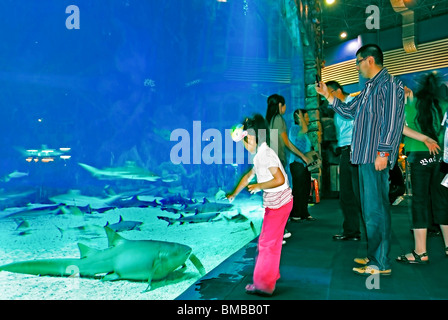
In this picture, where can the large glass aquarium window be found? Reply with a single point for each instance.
(105, 83)
(119, 110)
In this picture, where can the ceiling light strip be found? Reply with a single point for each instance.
(343, 72)
(433, 55)
(258, 70)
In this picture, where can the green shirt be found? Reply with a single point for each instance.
(410, 118)
(277, 143)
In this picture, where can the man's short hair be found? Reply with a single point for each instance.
(372, 50)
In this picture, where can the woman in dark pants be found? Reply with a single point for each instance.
(279, 139)
(301, 177)
(424, 114)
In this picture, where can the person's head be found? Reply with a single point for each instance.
(429, 112)
(369, 60)
(336, 90)
(276, 105)
(299, 119)
(257, 132)
(431, 86)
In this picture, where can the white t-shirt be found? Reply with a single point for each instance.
(264, 159)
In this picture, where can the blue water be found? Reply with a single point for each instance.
(111, 80)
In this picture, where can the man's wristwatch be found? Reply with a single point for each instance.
(383, 154)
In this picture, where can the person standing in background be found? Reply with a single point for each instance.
(348, 173)
(279, 140)
(378, 113)
(424, 114)
(301, 177)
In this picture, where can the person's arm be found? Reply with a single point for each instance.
(392, 99)
(277, 180)
(432, 145)
(346, 110)
(408, 95)
(322, 89)
(293, 148)
(303, 124)
(245, 180)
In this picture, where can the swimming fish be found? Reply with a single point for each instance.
(130, 171)
(124, 225)
(196, 218)
(138, 260)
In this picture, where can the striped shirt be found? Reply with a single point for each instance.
(276, 200)
(378, 113)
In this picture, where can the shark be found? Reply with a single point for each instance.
(195, 218)
(75, 198)
(135, 260)
(206, 206)
(204, 211)
(124, 225)
(237, 218)
(130, 171)
(43, 209)
(23, 228)
(134, 201)
(88, 229)
(176, 199)
(14, 175)
(15, 199)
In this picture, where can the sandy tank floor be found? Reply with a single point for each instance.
(56, 236)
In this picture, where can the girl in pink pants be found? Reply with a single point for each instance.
(277, 200)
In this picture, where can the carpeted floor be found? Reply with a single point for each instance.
(315, 267)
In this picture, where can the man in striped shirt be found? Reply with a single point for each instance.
(378, 113)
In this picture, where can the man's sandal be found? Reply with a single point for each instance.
(417, 257)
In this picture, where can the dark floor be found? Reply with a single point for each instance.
(315, 267)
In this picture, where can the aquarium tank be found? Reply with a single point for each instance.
(118, 114)
(113, 84)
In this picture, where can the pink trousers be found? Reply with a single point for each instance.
(267, 265)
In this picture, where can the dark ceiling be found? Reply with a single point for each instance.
(350, 16)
